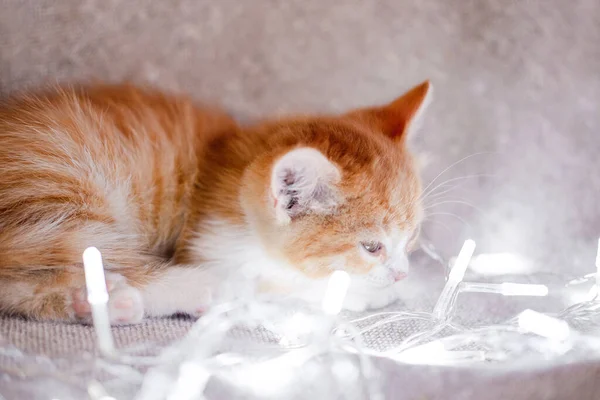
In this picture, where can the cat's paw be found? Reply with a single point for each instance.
(125, 306)
(125, 303)
(202, 306)
(197, 312)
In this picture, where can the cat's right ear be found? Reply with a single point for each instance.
(400, 117)
(303, 181)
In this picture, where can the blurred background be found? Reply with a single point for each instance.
(511, 140)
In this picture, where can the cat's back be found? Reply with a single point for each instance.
(115, 155)
(112, 119)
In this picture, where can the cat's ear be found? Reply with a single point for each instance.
(400, 117)
(303, 181)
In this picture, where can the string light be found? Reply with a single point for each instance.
(185, 369)
(97, 296)
(544, 325)
(335, 294)
(191, 382)
(598, 269)
(435, 353)
(505, 289)
(455, 277)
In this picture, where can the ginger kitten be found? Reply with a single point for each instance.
(180, 199)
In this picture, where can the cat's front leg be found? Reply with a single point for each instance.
(125, 303)
(180, 289)
(176, 289)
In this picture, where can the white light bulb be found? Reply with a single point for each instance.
(524, 289)
(337, 287)
(543, 325)
(435, 353)
(94, 276)
(98, 298)
(505, 289)
(598, 267)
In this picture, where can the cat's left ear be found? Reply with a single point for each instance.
(302, 182)
(400, 117)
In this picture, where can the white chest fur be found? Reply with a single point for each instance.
(235, 264)
(241, 257)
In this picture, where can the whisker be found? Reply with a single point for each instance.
(426, 193)
(438, 194)
(439, 198)
(456, 163)
(458, 201)
(439, 223)
(439, 203)
(452, 215)
(463, 202)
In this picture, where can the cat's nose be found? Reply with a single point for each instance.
(398, 275)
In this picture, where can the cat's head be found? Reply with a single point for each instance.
(339, 192)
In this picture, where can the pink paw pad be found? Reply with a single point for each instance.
(125, 304)
(80, 305)
(198, 311)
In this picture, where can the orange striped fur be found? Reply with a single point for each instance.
(160, 185)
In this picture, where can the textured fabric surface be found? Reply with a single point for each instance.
(517, 88)
(63, 340)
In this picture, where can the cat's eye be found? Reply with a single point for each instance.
(372, 247)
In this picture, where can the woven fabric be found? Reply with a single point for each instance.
(64, 340)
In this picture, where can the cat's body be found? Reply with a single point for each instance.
(180, 199)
